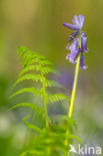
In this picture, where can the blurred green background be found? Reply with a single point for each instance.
(37, 24)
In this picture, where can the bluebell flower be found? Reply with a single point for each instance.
(73, 35)
(74, 52)
(79, 44)
(78, 23)
(84, 42)
(82, 62)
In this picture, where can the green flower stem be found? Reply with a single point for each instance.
(70, 112)
(74, 87)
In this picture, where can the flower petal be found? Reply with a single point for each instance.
(82, 62)
(81, 21)
(71, 58)
(74, 52)
(76, 20)
(84, 42)
(73, 27)
(83, 34)
(74, 45)
(73, 35)
(73, 21)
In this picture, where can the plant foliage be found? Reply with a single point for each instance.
(49, 139)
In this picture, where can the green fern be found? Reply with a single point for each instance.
(30, 105)
(28, 90)
(57, 97)
(50, 138)
(31, 126)
(36, 67)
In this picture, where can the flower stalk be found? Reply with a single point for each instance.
(76, 56)
(70, 112)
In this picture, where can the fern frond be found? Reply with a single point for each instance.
(31, 126)
(30, 105)
(21, 50)
(29, 68)
(36, 78)
(28, 57)
(49, 83)
(45, 62)
(47, 69)
(62, 117)
(52, 135)
(32, 56)
(57, 97)
(29, 90)
(68, 123)
(75, 137)
(26, 53)
(38, 68)
(40, 60)
(33, 152)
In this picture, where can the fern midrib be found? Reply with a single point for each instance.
(44, 98)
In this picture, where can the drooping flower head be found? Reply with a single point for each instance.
(79, 44)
